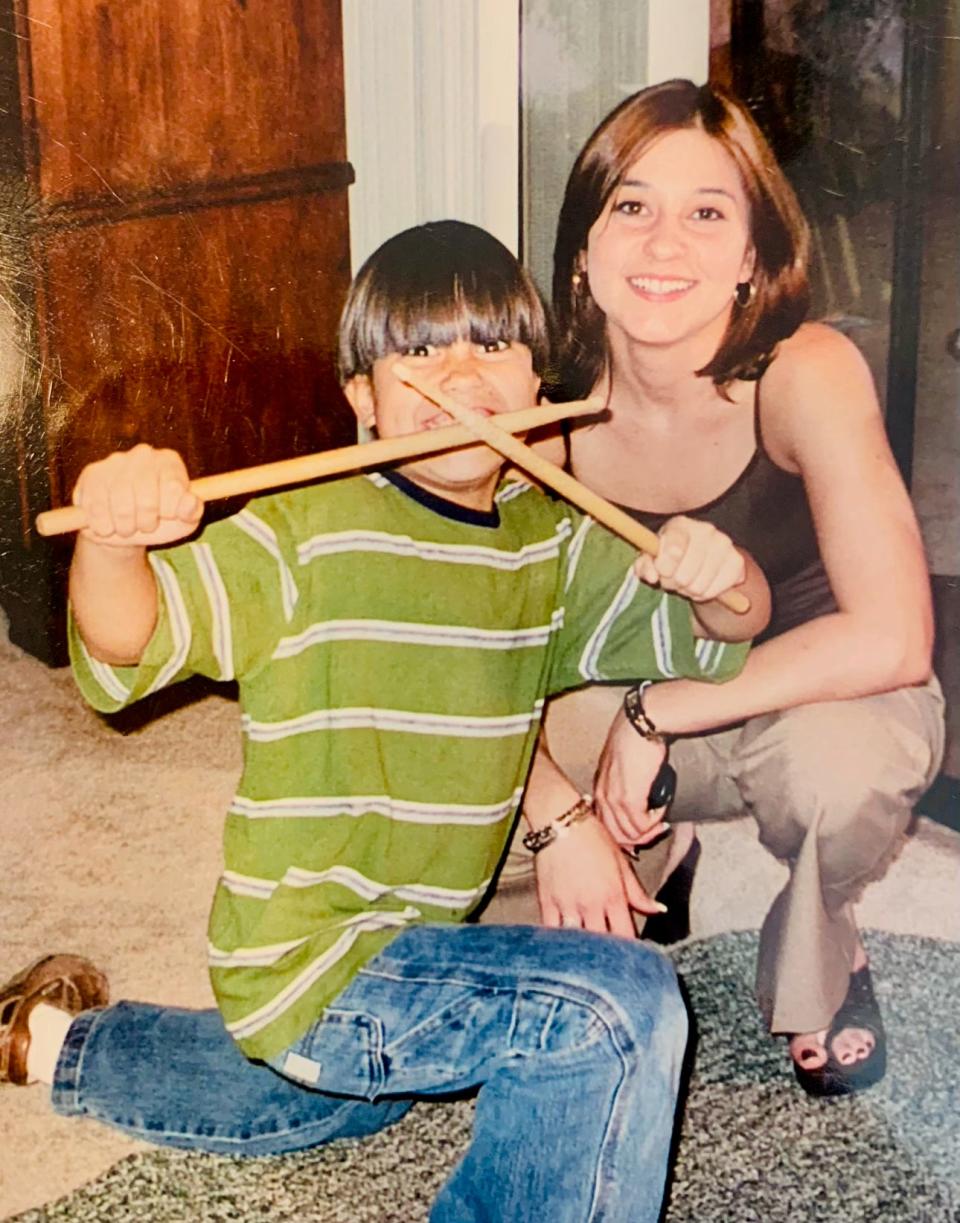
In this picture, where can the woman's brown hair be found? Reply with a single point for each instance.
(779, 232)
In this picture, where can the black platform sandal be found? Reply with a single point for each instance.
(674, 925)
(859, 1010)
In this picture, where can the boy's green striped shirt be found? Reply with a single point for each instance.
(393, 653)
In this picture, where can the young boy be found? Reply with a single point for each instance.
(394, 636)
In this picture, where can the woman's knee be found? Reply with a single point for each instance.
(841, 775)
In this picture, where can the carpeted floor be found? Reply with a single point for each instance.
(752, 1146)
(113, 847)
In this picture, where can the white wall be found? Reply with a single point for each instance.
(433, 101)
(678, 40)
(432, 95)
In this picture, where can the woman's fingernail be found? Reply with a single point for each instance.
(661, 907)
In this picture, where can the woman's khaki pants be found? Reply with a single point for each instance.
(832, 788)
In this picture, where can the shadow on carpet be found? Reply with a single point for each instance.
(752, 1148)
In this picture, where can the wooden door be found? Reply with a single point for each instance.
(186, 244)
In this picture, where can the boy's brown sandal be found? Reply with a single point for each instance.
(66, 981)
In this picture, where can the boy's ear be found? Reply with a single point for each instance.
(360, 397)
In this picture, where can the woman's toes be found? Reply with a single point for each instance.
(852, 1045)
(808, 1050)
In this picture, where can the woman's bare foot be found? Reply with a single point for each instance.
(849, 1045)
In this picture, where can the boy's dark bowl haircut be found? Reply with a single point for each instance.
(433, 284)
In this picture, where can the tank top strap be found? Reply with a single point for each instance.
(758, 443)
(567, 464)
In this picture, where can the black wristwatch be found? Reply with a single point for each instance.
(665, 783)
(637, 716)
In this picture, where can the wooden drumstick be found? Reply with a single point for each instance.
(553, 476)
(346, 458)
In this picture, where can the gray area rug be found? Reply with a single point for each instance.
(752, 1146)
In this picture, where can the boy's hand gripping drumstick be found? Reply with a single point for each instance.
(553, 476)
(333, 462)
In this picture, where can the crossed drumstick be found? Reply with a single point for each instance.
(498, 435)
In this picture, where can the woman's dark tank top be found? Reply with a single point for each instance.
(765, 510)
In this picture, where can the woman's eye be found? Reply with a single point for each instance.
(707, 213)
(631, 208)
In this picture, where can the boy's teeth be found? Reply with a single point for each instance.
(650, 284)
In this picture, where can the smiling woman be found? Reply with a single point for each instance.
(678, 126)
(680, 288)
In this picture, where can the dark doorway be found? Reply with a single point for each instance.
(861, 101)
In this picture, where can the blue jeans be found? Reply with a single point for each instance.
(575, 1041)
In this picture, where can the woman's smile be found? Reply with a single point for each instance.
(660, 288)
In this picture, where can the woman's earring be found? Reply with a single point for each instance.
(577, 280)
(744, 293)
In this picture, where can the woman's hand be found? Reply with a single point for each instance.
(137, 498)
(585, 882)
(695, 560)
(628, 765)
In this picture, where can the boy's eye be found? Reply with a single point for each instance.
(419, 350)
(495, 345)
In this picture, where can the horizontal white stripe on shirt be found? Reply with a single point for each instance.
(361, 885)
(371, 890)
(252, 957)
(412, 633)
(401, 721)
(332, 807)
(333, 542)
(248, 885)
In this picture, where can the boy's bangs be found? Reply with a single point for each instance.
(435, 284)
(442, 314)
